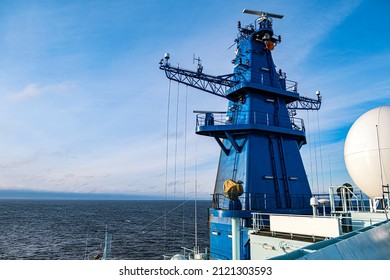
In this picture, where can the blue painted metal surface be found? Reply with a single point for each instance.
(259, 135)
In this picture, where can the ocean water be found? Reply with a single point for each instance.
(75, 230)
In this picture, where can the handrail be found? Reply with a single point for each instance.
(259, 201)
(349, 201)
(261, 221)
(249, 117)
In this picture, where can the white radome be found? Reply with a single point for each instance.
(367, 151)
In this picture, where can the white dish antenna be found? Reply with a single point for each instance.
(367, 151)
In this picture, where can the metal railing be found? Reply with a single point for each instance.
(249, 117)
(344, 200)
(261, 221)
(291, 85)
(189, 254)
(260, 201)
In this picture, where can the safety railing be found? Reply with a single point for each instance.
(188, 254)
(261, 222)
(260, 201)
(348, 223)
(291, 85)
(249, 117)
(344, 200)
(300, 226)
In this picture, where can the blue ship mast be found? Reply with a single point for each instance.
(260, 166)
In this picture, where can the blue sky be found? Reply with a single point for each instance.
(84, 106)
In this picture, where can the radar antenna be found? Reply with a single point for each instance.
(262, 14)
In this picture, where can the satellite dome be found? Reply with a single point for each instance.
(367, 151)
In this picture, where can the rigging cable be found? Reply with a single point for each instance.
(185, 158)
(196, 195)
(140, 229)
(166, 166)
(176, 133)
(315, 159)
(310, 157)
(330, 172)
(320, 148)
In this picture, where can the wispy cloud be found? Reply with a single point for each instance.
(34, 90)
(351, 89)
(312, 29)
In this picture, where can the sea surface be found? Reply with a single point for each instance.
(75, 229)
